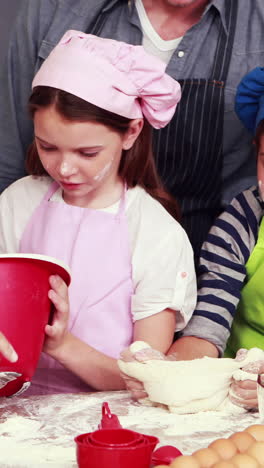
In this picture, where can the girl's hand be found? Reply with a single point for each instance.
(244, 392)
(135, 387)
(7, 350)
(56, 333)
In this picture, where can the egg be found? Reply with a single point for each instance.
(224, 464)
(224, 447)
(242, 440)
(206, 457)
(243, 460)
(256, 450)
(185, 461)
(257, 430)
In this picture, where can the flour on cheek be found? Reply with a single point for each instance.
(101, 174)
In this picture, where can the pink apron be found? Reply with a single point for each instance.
(95, 244)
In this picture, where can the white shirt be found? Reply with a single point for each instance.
(161, 255)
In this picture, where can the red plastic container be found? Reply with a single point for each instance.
(116, 456)
(25, 310)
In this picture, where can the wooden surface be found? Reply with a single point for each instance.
(39, 431)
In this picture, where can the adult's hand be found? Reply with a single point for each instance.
(7, 350)
(244, 392)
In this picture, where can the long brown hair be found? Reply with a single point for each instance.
(137, 165)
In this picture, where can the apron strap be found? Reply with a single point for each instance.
(51, 190)
(225, 42)
(122, 204)
(98, 23)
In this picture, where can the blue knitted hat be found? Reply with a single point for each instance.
(249, 101)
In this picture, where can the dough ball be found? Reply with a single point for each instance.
(243, 375)
(224, 447)
(206, 457)
(242, 440)
(138, 346)
(254, 354)
(257, 431)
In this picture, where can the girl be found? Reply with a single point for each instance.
(94, 200)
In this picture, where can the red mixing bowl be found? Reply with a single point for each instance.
(25, 310)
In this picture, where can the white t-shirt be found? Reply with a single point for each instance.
(152, 42)
(161, 254)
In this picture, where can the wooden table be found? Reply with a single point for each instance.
(39, 431)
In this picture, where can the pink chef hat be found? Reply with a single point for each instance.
(113, 75)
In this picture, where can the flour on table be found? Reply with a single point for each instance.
(64, 456)
(38, 432)
(28, 428)
(188, 386)
(16, 424)
(8, 376)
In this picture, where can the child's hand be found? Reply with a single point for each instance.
(135, 387)
(7, 350)
(56, 333)
(244, 392)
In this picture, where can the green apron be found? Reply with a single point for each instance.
(248, 326)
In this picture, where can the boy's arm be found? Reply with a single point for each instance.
(222, 269)
(191, 347)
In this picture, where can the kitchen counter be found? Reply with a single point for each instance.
(39, 431)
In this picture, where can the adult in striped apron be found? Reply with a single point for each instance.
(189, 150)
(192, 164)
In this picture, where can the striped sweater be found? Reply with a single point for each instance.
(222, 270)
